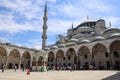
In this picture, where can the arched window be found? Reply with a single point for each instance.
(116, 55)
(85, 56)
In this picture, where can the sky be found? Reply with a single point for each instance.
(21, 21)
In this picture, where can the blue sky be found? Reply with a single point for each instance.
(21, 20)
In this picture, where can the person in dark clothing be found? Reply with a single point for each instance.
(3, 67)
(23, 68)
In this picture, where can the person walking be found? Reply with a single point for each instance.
(15, 68)
(3, 66)
(28, 71)
(23, 68)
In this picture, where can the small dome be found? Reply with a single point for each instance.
(115, 35)
(99, 38)
(73, 40)
(54, 47)
(85, 41)
(111, 30)
(46, 48)
(62, 45)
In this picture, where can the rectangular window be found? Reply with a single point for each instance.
(116, 55)
(85, 56)
(51, 59)
(48, 59)
(108, 64)
(93, 56)
(106, 54)
(68, 57)
(64, 58)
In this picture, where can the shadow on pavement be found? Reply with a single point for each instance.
(113, 77)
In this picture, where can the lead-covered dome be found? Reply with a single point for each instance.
(73, 40)
(115, 35)
(98, 38)
(85, 41)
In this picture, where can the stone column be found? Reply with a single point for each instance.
(62, 61)
(36, 64)
(111, 63)
(67, 60)
(44, 65)
(76, 65)
(20, 63)
(91, 58)
(54, 61)
(73, 59)
(6, 62)
(31, 62)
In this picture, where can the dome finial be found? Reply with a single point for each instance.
(99, 17)
(72, 25)
(87, 17)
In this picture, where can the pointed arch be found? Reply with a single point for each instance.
(98, 47)
(51, 57)
(60, 53)
(83, 50)
(40, 61)
(70, 51)
(115, 54)
(71, 57)
(84, 56)
(99, 55)
(59, 58)
(14, 58)
(26, 59)
(3, 56)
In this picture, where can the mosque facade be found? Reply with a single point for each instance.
(89, 43)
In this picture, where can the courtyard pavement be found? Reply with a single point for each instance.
(60, 75)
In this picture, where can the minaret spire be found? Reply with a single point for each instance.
(44, 35)
(110, 24)
(72, 25)
(87, 17)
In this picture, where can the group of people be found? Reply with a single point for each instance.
(74, 67)
(4, 67)
(15, 68)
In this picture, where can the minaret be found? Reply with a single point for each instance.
(72, 25)
(110, 25)
(44, 35)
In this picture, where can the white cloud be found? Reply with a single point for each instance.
(4, 39)
(37, 47)
(27, 8)
(98, 6)
(35, 42)
(114, 21)
(8, 25)
(52, 0)
(56, 26)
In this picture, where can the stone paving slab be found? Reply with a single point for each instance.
(61, 75)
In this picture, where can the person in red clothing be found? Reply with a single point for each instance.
(28, 71)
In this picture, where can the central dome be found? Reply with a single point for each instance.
(88, 23)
